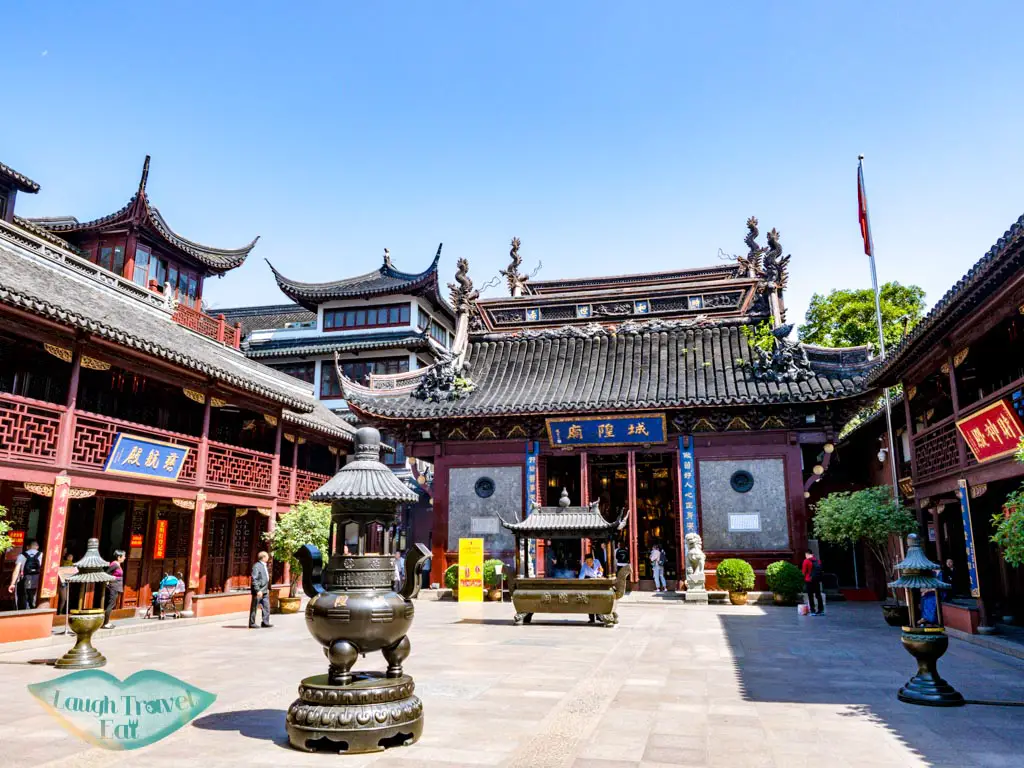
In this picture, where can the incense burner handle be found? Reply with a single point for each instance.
(415, 558)
(312, 569)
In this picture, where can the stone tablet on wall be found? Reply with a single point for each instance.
(476, 495)
(743, 504)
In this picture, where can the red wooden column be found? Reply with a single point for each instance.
(295, 469)
(67, 419)
(275, 467)
(634, 555)
(55, 535)
(199, 514)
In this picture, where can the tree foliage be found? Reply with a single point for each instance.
(1008, 527)
(308, 522)
(870, 516)
(846, 318)
(5, 540)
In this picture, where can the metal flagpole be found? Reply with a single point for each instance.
(870, 243)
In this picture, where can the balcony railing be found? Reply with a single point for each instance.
(936, 451)
(229, 466)
(305, 484)
(29, 429)
(215, 328)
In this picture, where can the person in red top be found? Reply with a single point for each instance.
(812, 581)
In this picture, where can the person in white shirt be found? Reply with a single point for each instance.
(591, 569)
(658, 567)
(24, 585)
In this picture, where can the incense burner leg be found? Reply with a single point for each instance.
(395, 655)
(342, 655)
(518, 619)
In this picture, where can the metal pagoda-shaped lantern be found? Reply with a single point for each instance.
(92, 569)
(925, 638)
(355, 610)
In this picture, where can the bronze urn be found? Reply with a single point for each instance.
(356, 609)
(92, 569)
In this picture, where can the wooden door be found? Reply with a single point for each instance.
(134, 584)
(242, 555)
(216, 538)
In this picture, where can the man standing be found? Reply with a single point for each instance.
(25, 579)
(658, 567)
(115, 587)
(259, 587)
(812, 581)
(591, 570)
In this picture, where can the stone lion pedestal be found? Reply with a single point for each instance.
(696, 593)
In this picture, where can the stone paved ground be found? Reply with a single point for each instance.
(672, 685)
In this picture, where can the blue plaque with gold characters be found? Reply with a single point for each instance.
(144, 457)
(637, 429)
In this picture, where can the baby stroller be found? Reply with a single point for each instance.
(165, 598)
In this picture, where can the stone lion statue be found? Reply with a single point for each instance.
(695, 559)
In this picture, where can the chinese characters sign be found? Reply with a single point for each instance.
(55, 535)
(992, 432)
(688, 485)
(532, 497)
(142, 457)
(160, 546)
(972, 559)
(607, 430)
(17, 538)
(471, 570)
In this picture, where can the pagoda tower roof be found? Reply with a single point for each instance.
(139, 213)
(385, 281)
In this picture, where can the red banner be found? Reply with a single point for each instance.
(55, 535)
(17, 538)
(136, 540)
(993, 432)
(198, 526)
(160, 546)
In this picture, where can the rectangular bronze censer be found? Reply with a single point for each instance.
(354, 610)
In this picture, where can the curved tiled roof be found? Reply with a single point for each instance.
(139, 211)
(322, 419)
(22, 182)
(266, 317)
(386, 281)
(327, 343)
(1003, 259)
(619, 369)
(26, 282)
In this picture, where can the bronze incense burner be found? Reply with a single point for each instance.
(92, 569)
(354, 609)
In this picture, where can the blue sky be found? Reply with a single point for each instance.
(610, 137)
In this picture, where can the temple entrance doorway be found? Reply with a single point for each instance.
(657, 514)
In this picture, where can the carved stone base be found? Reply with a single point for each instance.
(696, 596)
(370, 714)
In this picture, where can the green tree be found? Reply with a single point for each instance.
(846, 318)
(307, 523)
(870, 516)
(5, 540)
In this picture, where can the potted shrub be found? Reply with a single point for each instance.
(307, 523)
(451, 578)
(736, 577)
(786, 582)
(872, 517)
(493, 579)
(1008, 529)
(5, 540)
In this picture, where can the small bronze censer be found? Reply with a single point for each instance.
(925, 638)
(355, 610)
(92, 569)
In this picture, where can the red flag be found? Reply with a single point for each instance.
(862, 212)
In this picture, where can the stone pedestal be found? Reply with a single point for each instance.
(370, 714)
(696, 596)
(83, 656)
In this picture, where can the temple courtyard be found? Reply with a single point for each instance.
(671, 685)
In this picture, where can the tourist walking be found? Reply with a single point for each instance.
(25, 579)
(591, 569)
(114, 588)
(658, 567)
(812, 581)
(259, 588)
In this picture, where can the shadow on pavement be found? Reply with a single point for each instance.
(852, 660)
(265, 724)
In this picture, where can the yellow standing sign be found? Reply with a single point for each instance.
(471, 570)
